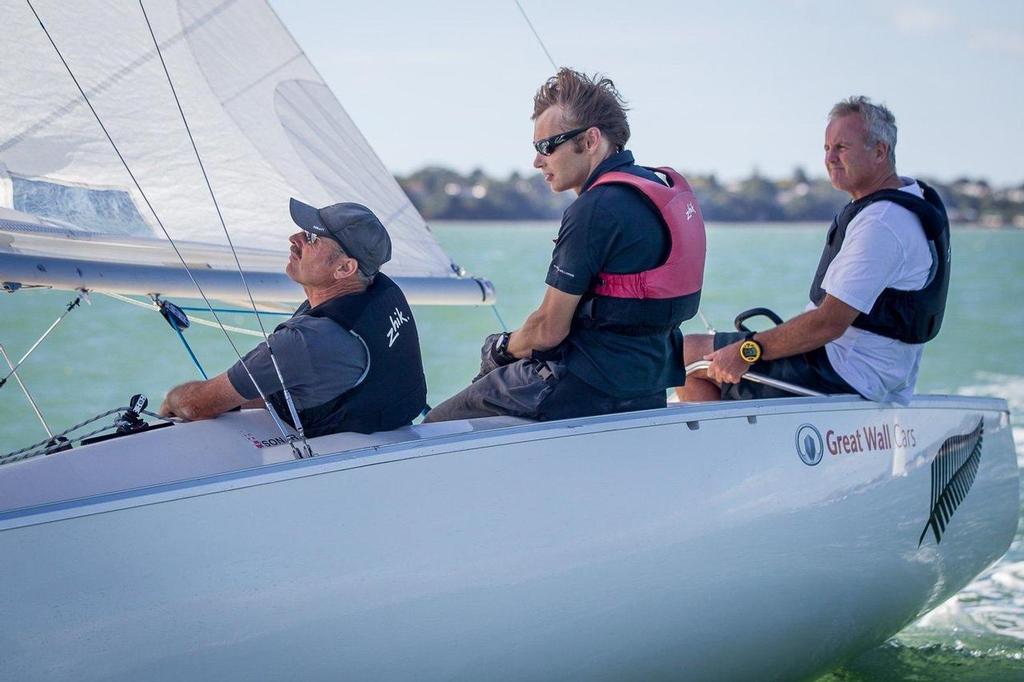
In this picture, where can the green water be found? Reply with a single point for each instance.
(107, 351)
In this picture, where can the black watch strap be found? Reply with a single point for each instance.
(501, 347)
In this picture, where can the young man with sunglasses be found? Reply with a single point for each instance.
(350, 355)
(626, 270)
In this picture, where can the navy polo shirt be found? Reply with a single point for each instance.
(319, 361)
(614, 228)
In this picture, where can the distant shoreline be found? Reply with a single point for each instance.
(443, 194)
(486, 223)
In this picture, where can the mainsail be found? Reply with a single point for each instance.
(265, 125)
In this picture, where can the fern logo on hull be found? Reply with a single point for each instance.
(953, 472)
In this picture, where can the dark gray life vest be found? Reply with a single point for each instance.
(907, 316)
(394, 391)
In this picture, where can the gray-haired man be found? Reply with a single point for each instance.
(879, 292)
(350, 355)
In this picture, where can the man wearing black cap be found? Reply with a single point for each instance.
(350, 355)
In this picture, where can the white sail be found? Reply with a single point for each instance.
(265, 125)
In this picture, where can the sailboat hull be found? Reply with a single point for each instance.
(695, 542)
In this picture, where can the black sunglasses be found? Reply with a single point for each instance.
(548, 145)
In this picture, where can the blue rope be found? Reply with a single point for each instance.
(244, 311)
(504, 327)
(189, 349)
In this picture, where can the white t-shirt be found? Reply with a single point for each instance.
(885, 247)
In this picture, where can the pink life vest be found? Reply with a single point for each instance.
(661, 298)
(683, 272)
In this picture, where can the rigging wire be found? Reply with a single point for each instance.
(529, 23)
(536, 35)
(70, 306)
(24, 389)
(494, 306)
(202, 169)
(238, 264)
(145, 198)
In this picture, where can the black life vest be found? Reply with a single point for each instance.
(907, 316)
(658, 300)
(394, 391)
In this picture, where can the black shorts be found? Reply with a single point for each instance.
(810, 370)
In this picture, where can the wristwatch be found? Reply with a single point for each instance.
(750, 350)
(501, 348)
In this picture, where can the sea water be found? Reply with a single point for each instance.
(105, 351)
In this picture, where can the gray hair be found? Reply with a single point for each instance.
(879, 121)
(361, 277)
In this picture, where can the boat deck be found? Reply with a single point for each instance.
(240, 442)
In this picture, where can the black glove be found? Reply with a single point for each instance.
(494, 354)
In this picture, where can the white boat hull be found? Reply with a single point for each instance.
(692, 543)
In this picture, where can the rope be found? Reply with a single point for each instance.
(194, 320)
(501, 321)
(46, 447)
(188, 348)
(240, 311)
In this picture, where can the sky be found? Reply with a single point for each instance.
(713, 87)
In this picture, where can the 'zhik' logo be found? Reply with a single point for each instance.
(397, 319)
(690, 210)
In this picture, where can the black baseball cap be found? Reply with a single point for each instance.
(356, 229)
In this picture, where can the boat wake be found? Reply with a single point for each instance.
(896, 661)
(986, 618)
(987, 615)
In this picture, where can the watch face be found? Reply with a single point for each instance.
(750, 351)
(502, 344)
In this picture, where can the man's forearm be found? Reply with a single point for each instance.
(177, 403)
(547, 326)
(801, 334)
(535, 334)
(201, 399)
(809, 330)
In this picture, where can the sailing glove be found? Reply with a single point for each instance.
(494, 354)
